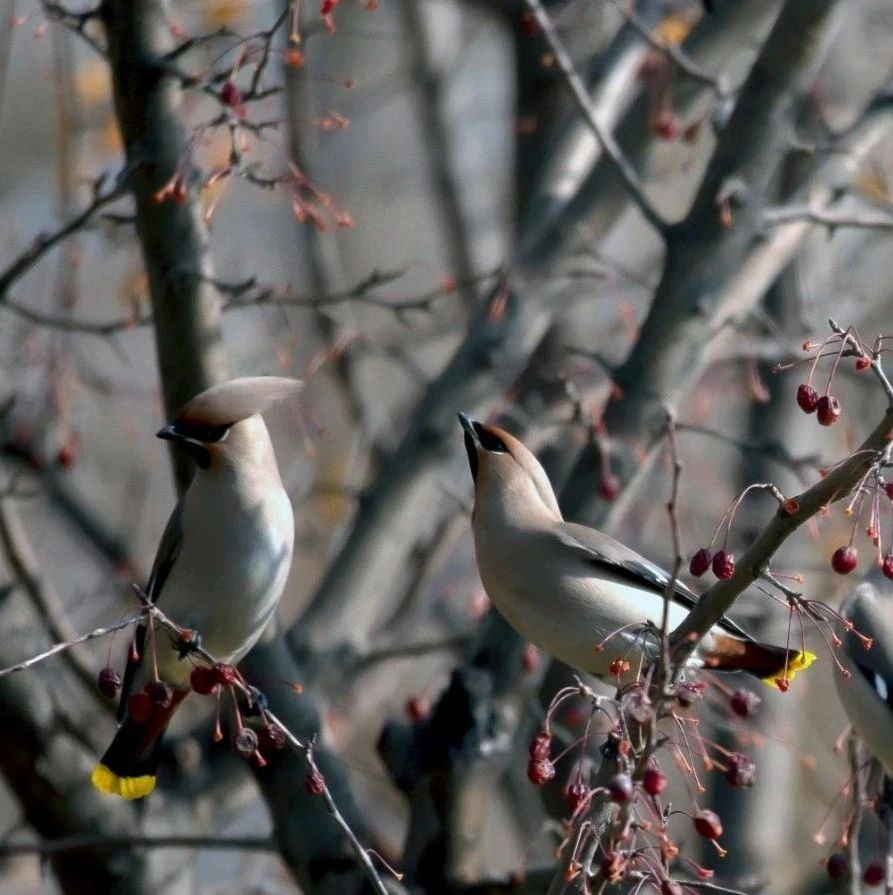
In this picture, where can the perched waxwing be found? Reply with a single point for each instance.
(575, 592)
(866, 687)
(219, 571)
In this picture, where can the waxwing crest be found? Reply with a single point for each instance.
(236, 400)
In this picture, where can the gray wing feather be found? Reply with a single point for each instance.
(603, 551)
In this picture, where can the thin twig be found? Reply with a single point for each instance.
(867, 220)
(609, 145)
(110, 843)
(101, 631)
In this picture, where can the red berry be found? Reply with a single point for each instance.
(314, 783)
(417, 709)
(862, 363)
(574, 794)
(741, 771)
(652, 65)
(609, 487)
(530, 659)
(744, 703)
(540, 771)
(844, 560)
(230, 95)
(723, 565)
(612, 867)
(618, 667)
(69, 454)
(888, 489)
(874, 874)
(109, 683)
(540, 745)
(270, 739)
(708, 824)
(224, 674)
(654, 782)
(807, 398)
(666, 126)
(139, 707)
(203, 680)
(160, 693)
(887, 565)
(670, 887)
(620, 788)
(700, 562)
(828, 410)
(837, 865)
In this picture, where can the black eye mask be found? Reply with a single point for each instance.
(490, 442)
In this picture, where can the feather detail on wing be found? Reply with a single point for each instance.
(602, 551)
(168, 551)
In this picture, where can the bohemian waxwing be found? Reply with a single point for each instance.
(575, 592)
(220, 568)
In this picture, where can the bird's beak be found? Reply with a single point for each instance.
(472, 442)
(470, 426)
(170, 433)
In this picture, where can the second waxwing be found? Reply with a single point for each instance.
(574, 591)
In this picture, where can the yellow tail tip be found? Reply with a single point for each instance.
(798, 662)
(111, 784)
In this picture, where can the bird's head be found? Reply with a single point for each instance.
(222, 425)
(505, 472)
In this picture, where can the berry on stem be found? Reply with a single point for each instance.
(807, 398)
(828, 410)
(203, 680)
(314, 783)
(708, 824)
(845, 559)
(620, 788)
(744, 703)
(654, 782)
(887, 565)
(741, 771)
(700, 562)
(874, 874)
(109, 682)
(540, 745)
(160, 693)
(540, 771)
(723, 565)
(609, 487)
(837, 865)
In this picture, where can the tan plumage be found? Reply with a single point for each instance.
(866, 691)
(222, 562)
(576, 592)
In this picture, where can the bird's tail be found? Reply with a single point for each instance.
(774, 665)
(128, 767)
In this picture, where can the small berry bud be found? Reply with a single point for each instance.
(609, 487)
(160, 693)
(807, 398)
(230, 95)
(224, 674)
(837, 865)
(874, 874)
(700, 562)
(530, 659)
(708, 824)
(620, 788)
(245, 742)
(109, 682)
(741, 771)
(417, 709)
(203, 680)
(723, 565)
(828, 410)
(744, 703)
(314, 783)
(270, 739)
(887, 565)
(139, 707)
(844, 560)
(574, 794)
(654, 782)
(540, 745)
(666, 126)
(540, 771)
(618, 667)
(612, 867)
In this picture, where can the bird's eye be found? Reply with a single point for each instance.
(206, 434)
(490, 442)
